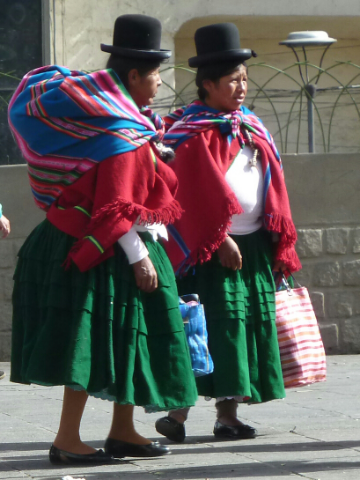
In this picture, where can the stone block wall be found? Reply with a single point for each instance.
(20, 209)
(325, 200)
(8, 255)
(331, 271)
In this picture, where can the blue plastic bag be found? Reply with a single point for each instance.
(193, 316)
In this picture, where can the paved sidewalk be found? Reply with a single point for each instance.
(314, 433)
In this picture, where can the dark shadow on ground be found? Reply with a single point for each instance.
(255, 445)
(246, 470)
(157, 468)
(220, 445)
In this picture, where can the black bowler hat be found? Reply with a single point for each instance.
(137, 36)
(218, 43)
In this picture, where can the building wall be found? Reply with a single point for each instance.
(79, 26)
(20, 52)
(262, 33)
(325, 201)
(20, 209)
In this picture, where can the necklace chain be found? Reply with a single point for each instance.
(253, 160)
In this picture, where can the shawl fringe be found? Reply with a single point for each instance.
(74, 249)
(288, 236)
(276, 222)
(205, 250)
(122, 208)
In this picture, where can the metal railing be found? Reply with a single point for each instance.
(284, 110)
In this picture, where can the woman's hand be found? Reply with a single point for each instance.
(229, 254)
(279, 266)
(145, 275)
(4, 226)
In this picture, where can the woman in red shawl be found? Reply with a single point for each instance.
(236, 230)
(95, 298)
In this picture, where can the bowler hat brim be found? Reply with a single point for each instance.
(241, 54)
(133, 53)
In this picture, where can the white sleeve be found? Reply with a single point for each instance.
(133, 246)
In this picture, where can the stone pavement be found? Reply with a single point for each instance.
(314, 433)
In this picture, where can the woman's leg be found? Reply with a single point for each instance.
(228, 425)
(226, 412)
(173, 426)
(180, 415)
(68, 436)
(122, 427)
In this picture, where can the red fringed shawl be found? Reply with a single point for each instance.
(200, 164)
(105, 202)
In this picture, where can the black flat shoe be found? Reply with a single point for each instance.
(235, 432)
(60, 457)
(119, 449)
(171, 429)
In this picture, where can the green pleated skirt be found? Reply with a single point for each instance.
(96, 331)
(240, 315)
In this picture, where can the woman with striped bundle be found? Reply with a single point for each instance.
(95, 297)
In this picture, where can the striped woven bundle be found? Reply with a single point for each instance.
(65, 122)
(302, 352)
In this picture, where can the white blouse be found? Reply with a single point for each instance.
(247, 183)
(132, 244)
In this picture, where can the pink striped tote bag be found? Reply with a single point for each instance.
(302, 352)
